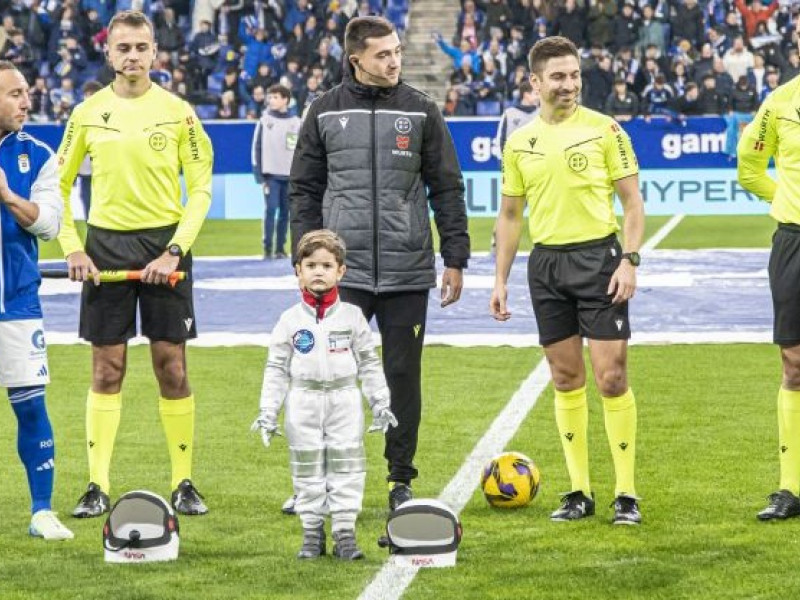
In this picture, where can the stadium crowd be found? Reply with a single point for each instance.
(639, 57)
(220, 55)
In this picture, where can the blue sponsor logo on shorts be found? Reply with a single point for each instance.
(303, 341)
(37, 339)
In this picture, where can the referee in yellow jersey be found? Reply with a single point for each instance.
(775, 133)
(566, 165)
(140, 138)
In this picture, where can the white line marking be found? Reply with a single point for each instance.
(662, 233)
(392, 580)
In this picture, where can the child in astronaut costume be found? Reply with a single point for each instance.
(319, 350)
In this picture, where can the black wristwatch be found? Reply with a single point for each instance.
(633, 258)
(175, 250)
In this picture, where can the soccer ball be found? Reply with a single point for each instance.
(510, 480)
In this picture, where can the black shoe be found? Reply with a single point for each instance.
(783, 504)
(399, 494)
(93, 503)
(345, 546)
(313, 543)
(186, 500)
(267, 255)
(626, 511)
(288, 507)
(280, 255)
(574, 505)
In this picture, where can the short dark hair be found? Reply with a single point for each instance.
(279, 89)
(550, 47)
(360, 29)
(131, 18)
(525, 87)
(321, 238)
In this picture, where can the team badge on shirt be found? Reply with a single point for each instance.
(402, 125)
(158, 141)
(338, 341)
(303, 341)
(577, 162)
(24, 163)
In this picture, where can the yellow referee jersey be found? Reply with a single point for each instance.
(566, 172)
(775, 132)
(139, 147)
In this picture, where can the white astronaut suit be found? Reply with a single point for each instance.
(315, 365)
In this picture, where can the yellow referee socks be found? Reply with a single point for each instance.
(102, 420)
(572, 418)
(620, 413)
(177, 417)
(789, 439)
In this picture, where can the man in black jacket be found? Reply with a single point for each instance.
(373, 157)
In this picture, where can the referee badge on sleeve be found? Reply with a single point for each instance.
(24, 163)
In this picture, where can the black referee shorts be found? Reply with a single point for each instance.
(108, 311)
(569, 291)
(784, 283)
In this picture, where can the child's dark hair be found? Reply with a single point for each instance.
(321, 238)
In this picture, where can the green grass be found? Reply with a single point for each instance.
(706, 458)
(243, 237)
(741, 231)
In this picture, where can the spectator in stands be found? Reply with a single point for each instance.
(678, 78)
(294, 78)
(652, 32)
(626, 65)
(470, 22)
(731, 28)
(657, 98)
(622, 104)
(790, 68)
(63, 100)
(313, 32)
(757, 74)
(724, 81)
(571, 23)
(718, 42)
(495, 53)
(256, 103)
(523, 16)
(458, 54)
(688, 103)
(598, 82)
(742, 105)
(541, 30)
(204, 48)
(517, 48)
(312, 90)
(687, 23)
(493, 81)
(298, 45)
(27, 20)
(180, 85)
(771, 83)
(738, 59)
(204, 10)
(66, 26)
(169, 35)
(518, 115)
(20, 54)
(459, 102)
(331, 68)
(498, 17)
(41, 105)
(600, 18)
(228, 107)
(161, 71)
(624, 31)
(704, 63)
(646, 76)
(299, 12)
(754, 14)
(96, 34)
(465, 75)
(546, 9)
(264, 77)
(514, 81)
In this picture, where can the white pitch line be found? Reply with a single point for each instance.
(662, 233)
(392, 580)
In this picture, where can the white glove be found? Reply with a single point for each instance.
(382, 418)
(267, 426)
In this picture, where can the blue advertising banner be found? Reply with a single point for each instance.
(683, 167)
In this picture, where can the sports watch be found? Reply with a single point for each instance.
(175, 250)
(633, 258)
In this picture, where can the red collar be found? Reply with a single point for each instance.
(321, 303)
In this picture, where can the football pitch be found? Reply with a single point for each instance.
(707, 457)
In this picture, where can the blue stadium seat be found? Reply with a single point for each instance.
(206, 111)
(215, 83)
(398, 17)
(488, 108)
